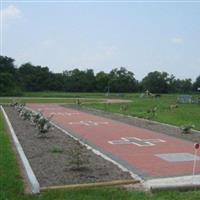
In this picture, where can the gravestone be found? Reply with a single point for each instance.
(185, 99)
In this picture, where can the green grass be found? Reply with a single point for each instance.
(56, 150)
(185, 114)
(61, 97)
(64, 94)
(5, 100)
(11, 185)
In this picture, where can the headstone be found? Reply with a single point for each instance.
(185, 99)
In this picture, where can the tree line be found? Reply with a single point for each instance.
(28, 77)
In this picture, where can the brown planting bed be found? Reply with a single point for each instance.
(50, 157)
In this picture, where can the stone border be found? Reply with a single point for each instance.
(31, 178)
(182, 182)
(90, 185)
(95, 151)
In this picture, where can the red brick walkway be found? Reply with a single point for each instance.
(139, 149)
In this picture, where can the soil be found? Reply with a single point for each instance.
(193, 136)
(51, 157)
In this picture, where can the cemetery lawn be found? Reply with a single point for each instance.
(11, 185)
(184, 114)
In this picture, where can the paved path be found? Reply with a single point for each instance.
(148, 154)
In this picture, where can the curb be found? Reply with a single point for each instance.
(182, 182)
(95, 151)
(86, 185)
(32, 180)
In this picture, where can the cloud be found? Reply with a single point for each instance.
(11, 13)
(178, 40)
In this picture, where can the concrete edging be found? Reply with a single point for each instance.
(182, 182)
(95, 151)
(86, 185)
(32, 180)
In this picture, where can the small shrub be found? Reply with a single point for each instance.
(14, 103)
(186, 128)
(56, 150)
(43, 126)
(78, 102)
(35, 118)
(77, 160)
(106, 106)
(124, 108)
(173, 106)
(19, 107)
(26, 114)
(152, 112)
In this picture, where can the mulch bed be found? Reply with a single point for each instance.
(50, 157)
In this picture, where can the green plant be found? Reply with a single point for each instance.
(26, 114)
(56, 150)
(106, 106)
(152, 112)
(173, 106)
(43, 126)
(13, 103)
(124, 108)
(77, 160)
(35, 118)
(78, 102)
(19, 107)
(186, 128)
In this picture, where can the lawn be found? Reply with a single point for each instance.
(62, 97)
(185, 114)
(11, 185)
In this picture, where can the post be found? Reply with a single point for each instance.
(196, 147)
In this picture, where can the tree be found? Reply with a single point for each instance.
(8, 86)
(102, 81)
(196, 84)
(79, 81)
(156, 82)
(179, 86)
(55, 82)
(8, 77)
(33, 78)
(185, 85)
(122, 80)
(7, 65)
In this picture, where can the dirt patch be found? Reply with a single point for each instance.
(117, 101)
(170, 130)
(50, 157)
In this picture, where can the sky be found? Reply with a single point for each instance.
(141, 36)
